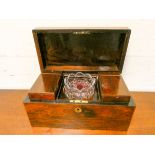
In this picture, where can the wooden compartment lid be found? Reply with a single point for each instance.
(101, 49)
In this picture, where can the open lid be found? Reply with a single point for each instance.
(81, 49)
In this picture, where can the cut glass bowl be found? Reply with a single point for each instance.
(79, 86)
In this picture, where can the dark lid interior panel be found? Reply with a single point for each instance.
(98, 47)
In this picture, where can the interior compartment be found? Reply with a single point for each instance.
(45, 87)
(109, 89)
(113, 89)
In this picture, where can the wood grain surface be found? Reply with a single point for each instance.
(14, 120)
(80, 116)
(112, 68)
(13, 117)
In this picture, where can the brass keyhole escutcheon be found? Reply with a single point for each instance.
(78, 110)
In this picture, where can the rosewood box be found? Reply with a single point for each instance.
(97, 52)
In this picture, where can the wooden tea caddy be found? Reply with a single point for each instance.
(100, 52)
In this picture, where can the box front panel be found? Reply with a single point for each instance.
(78, 116)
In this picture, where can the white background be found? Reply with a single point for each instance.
(19, 65)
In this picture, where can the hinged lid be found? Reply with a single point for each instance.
(81, 49)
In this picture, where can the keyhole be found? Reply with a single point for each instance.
(78, 110)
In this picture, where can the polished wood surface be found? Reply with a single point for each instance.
(79, 116)
(14, 120)
(45, 87)
(13, 117)
(112, 68)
